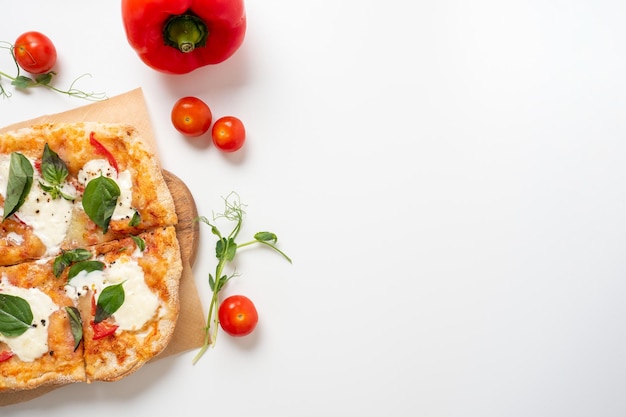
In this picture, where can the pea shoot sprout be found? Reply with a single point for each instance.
(225, 250)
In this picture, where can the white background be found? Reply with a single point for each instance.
(448, 177)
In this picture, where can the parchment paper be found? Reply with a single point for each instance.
(129, 108)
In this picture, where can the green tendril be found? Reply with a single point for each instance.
(225, 250)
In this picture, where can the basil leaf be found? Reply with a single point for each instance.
(78, 254)
(15, 315)
(76, 325)
(99, 200)
(67, 258)
(51, 189)
(59, 265)
(141, 244)
(88, 266)
(135, 220)
(110, 300)
(53, 169)
(19, 184)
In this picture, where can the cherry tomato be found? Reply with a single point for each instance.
(35, 52)
(228, 134)
(237, 315)
(191, 116)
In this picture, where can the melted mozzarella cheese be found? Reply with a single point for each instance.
(15, 238)
(94, 168)
(97, 167)
(5, 161)
(124, 208)
(49, 218)
(140, 303)
(33, 343)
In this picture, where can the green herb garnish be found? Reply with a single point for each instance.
(15, 315)
(67, 258)
(110, 300)
(135, 220)
(54, 171)
(141, 244)
(87, 266)
(76, 325)
(19, 183)
(99, 200)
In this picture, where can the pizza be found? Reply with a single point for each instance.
(90, 262)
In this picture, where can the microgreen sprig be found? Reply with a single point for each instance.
(225, 250)
(22, 82)
(54, 171)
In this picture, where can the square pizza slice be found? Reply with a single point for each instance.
(64, 186)
(38, 333)
(127, 295)
(97, 313)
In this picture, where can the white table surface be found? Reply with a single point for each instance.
(448, 177)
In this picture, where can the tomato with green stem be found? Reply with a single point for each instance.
(191, 116)
(229, 134)
(238, 315)
(34, 52)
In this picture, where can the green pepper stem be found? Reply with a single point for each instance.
(185, 32)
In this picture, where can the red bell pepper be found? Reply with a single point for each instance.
(103, 329)
(5, 355)
(102, 150)
(179, 36)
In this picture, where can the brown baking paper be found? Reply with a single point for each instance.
(130, 108)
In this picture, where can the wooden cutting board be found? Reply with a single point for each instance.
(188, 229)
(188, 334)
